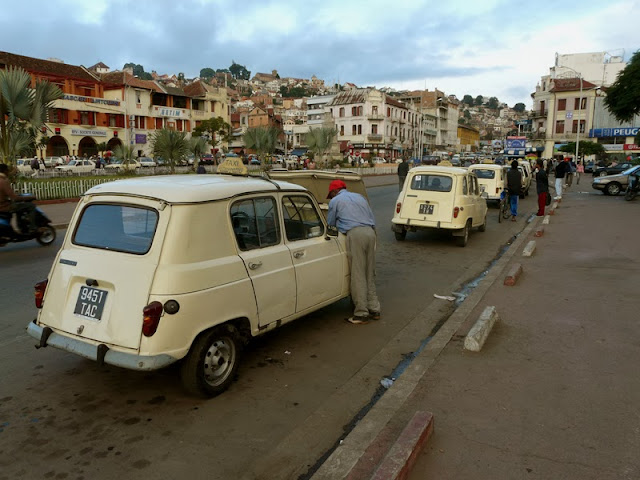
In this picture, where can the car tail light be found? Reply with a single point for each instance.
(398, 207)
(497, 190)
(40, 288)
(456, 211)
(151, 318)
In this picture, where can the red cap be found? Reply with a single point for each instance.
(336, 185)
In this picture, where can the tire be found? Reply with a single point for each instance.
(464, 239)
(630, 194)
(602, 174)
(221, 344)
(46, 235)
(483, 227)
(612, 188)
(506, 210)
(400, 236)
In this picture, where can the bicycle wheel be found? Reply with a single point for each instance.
(500, 211)
(506, 208)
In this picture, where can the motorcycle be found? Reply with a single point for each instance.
(633, 188)
(24, 210)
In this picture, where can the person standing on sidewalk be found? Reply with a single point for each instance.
(403, 170)
(570, 173)
(514, 185)
(579, 171)
(561, 171)
(351, 214)
(542, 187)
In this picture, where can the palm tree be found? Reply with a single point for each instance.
(171, 145)
(102, 147)
(261, 139)
(197, 146)
(20, 105)
(319, 141)
(126, 153)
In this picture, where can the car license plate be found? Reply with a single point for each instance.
(91, 302)
(426, 209)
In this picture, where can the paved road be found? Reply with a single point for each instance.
(298, 389)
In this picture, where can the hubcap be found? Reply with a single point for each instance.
(46, 235)
(218, 361)
(614, 189)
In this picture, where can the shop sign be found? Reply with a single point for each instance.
(631, 146)
(170, 112)
(88, 133)
(102, 101)
(613, 132)
(141, 138)
(613, 147)
(516, 142)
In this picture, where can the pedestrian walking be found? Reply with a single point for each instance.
(351, 214)
(403, 170)
(542, 187)
(35, 166)
(570, 173)
(514, 186)
(579, 171)
(561, 170)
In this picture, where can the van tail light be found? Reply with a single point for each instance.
(40, 288)
(398, 207)
(497, 190)
(151, 318)
(456, 211)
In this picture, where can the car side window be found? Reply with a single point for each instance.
(255, 223)
(476, 186)
(464, 185)
(301, 218)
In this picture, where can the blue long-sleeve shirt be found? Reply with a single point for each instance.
(348, 210)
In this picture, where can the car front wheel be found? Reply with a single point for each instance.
(612, 188)
(211, 364)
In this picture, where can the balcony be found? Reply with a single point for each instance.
(374, 137)
(540, 113)
(375, 117)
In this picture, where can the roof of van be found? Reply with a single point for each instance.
(485, 166)
(190, 188)
(438, 169)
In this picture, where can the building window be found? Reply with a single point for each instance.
(359, 129)
(359, 111)
(158, 123)
(353, 129)
(87, 118)
(388, 111)
(374, 110)
(374, 129)
(342, 130)
(583, 103)
(140, 122)
(562, 104)
(342, 111)
(560, 126)
(354, 111)
(138, 97)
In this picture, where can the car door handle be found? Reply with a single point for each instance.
(254, 265)
(298, 254)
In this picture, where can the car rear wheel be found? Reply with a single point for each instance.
(602, 174)
(612, 188)
(400, 236)
(464, 238)
(212, 363)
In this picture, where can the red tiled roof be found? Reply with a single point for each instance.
(348, 97)
(395, 103)
(570, 85)
(124, 78)
(98, 65)
(36, 65)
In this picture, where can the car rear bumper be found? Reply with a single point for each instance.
(93, 350)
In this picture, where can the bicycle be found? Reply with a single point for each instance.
(504, 207)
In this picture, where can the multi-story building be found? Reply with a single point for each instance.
(318, 111)
(375, 124)
(209, 102)
(469, 138)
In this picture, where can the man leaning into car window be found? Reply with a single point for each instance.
(351, 214)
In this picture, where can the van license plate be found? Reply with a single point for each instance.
(91, 302)
(426, 209)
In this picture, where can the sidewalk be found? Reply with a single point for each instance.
(554, 392)
(60, 212)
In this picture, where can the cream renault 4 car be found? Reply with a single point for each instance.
(440, 197)
(186, 268)
(492, 179)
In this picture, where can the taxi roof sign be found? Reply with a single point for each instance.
(233, 166)
(445, 163)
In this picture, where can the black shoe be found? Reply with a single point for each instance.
(374, 315)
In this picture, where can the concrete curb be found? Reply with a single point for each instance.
(514, 274)
(481, 329)
(345, 457)
(529, 249)
(402, 456)
(551, 212)
(545, 220)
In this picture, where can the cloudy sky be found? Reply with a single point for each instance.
(477, 47)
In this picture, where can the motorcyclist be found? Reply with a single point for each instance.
(7, 195)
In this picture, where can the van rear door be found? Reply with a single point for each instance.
(101, 280)
(429, 197)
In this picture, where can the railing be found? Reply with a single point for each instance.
(539, 113)
(375, 116)
(374, 137)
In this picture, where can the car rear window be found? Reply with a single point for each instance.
(432, 183)
(122, 228)
(484, 173)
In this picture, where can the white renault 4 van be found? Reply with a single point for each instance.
(440, 197)
(491, 178)
(186, 268)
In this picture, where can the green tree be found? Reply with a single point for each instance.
(215, 130)
(207, 73)
(262, 139)
(102, 147)
(623, 97)
(467, 114)
(584, 149)
(462, 121)
(493, 103)
(519, 107)
(23, 111)
(138, 71)
(479, 100)
(171, 145)
(198, 147)
(127, 154)
(239, 72)
(468, 100)
(319, 141)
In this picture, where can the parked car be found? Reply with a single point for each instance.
(53, 161)
(146, 162)
(24, 166)
(121, 294)
(430, 159)
(120, 164)
(492, 180)
(589, 166)
(378, 160)
(614, 184)
(77, 166)
(611, 169)
(441, 198)
(207, 159)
